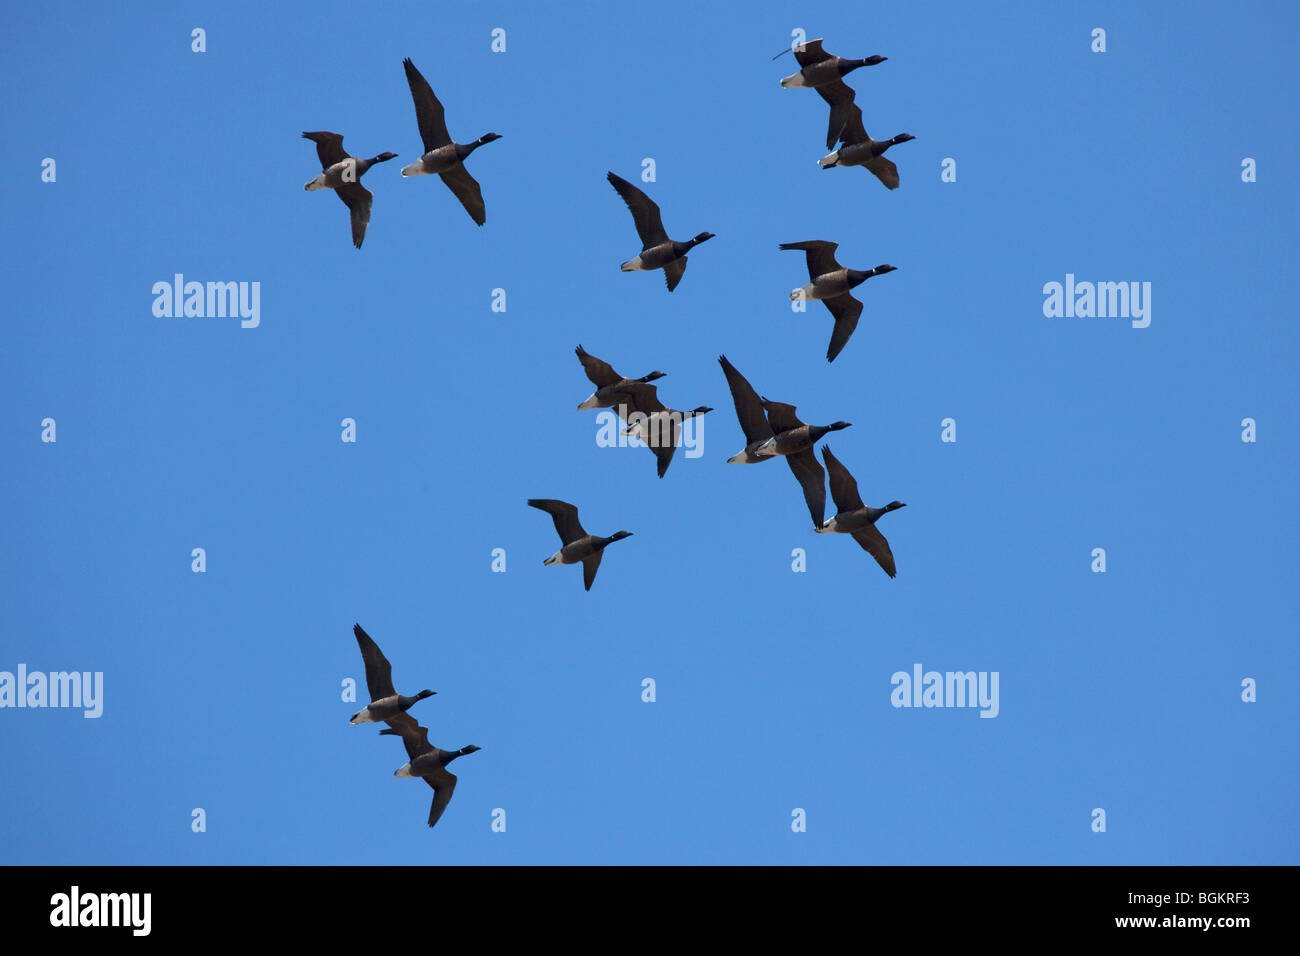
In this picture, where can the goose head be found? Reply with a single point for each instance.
(702, 237)
(902, 138)
(620, 535)
(882, 269)
(837, 426)
(488, 137)
(874, 59)
(894, 506)
(384, 157)
(425, 693)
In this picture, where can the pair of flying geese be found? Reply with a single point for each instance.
(825, 73)
(829, 282)
(389, 707)
(342, 172)
(773, 429)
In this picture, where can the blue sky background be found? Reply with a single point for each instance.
(1118, 690)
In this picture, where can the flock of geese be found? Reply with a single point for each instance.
(772, 429)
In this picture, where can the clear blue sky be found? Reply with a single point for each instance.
(1119, 690)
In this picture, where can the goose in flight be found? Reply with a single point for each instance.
(612, 389)
(441, 155)
(342, 173)
(855, 518)
(859, 149)
(579, 547)
(657, 250)
(385, 702)
(659, 426)
(773, 429)
(831, 282)
(427, 761)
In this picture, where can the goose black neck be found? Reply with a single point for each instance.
(817, 431)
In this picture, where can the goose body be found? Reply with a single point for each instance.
(578, 546)
(446, 158)
(427, 761)
(859, 149)
(347, 170)
(441, 156)
(854, 518)
(796, 438)
(385, 702)
(342, 173)
(658, 251)
(612, 389)
(830, 284)
(819, 68)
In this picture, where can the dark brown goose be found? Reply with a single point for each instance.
(794, 440)
(441, 155)
(342, 173)
(831, 283)
(385, 701)
(855, 518)
(824, 73)
(427, 761)
(612, 389)
(773, 429)
(657, 250)
(659, 426)
(578, 545)
(859, 149)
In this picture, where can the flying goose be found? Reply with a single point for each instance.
(855, 518)
(441, 155)
(794, 440)
(859, 149)
(831, 283)
(772, 429)
(824, 73)
(385, 702)
(427, 761)
(659, 426)
(611, 388)
(578, 545)
(657, 250)
(342, 173)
